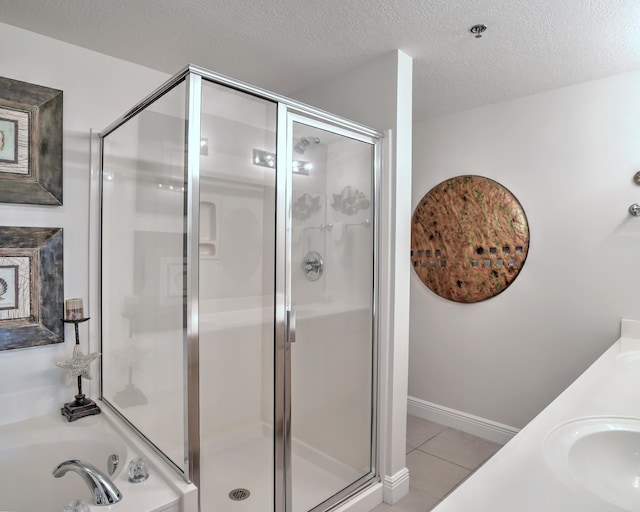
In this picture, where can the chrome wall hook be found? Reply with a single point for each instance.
(634, 209)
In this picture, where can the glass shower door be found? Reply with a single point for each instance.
(331, 287)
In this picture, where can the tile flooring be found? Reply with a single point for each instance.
(439, 458)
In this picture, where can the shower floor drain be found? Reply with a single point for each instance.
(239, 494)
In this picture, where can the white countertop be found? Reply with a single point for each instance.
(517, 478)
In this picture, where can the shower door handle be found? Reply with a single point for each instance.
(291, 325)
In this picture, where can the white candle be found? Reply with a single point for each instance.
(73, 309)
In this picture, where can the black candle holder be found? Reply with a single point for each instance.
(81, 406)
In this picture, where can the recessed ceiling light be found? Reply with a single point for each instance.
(478, 29)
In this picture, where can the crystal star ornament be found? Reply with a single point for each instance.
(78, 365)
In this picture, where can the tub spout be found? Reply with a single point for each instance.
(102, 488)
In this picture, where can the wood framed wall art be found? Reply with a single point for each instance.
(31, 287)
(469, 239)
(30, 143)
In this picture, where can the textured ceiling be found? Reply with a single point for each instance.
(285, 45)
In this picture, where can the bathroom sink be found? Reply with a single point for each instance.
(629, 353)
(630, 358)
(598, 456)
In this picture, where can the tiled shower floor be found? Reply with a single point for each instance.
(439, 458)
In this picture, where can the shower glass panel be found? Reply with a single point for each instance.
(237, 290)
(143, 292)
(236, 294)
(332, 278)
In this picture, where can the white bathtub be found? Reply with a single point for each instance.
(31, 449)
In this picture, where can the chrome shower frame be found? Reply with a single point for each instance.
(288, 112)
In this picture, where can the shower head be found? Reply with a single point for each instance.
(304, 143)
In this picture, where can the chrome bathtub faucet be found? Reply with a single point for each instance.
(102, 488)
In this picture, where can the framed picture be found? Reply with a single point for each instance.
(31, 287)
(30, 143)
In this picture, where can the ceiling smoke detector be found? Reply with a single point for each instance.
(477, 30)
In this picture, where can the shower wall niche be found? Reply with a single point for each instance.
(255, 382)
(208, 229)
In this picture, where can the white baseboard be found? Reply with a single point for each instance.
(396, 486)
(481, 427)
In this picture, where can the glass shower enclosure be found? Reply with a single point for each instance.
(238, 283)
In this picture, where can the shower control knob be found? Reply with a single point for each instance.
(138, 470)
(312, 266)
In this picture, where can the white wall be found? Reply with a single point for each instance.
(569, 156)
(97, 89)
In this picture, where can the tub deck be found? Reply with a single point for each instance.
(31, 449)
